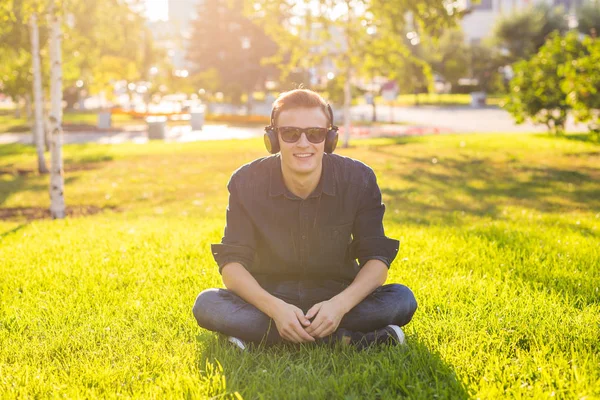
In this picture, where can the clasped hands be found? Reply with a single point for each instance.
(296, 327)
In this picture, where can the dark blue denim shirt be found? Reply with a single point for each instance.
(277, 235)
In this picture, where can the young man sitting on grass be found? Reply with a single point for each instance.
(296, 223)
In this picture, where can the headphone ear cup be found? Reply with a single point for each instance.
(331, 141)
(271, 140)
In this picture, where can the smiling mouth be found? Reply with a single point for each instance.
(303, 155)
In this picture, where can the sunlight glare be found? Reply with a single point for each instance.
(157, 10)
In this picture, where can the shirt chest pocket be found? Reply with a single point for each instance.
(333, 244)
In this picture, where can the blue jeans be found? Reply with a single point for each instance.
(220, 310)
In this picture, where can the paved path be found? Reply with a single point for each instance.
(419, 121)
(457, 119)
(174, 134)
(215, 132)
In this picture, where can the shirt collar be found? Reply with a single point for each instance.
(326, 183)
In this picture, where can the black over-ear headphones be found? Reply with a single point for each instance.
(272, 141)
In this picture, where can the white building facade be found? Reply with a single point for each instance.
(479, 23)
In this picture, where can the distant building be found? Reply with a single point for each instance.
(173, 35)
(479, 23)
(182, 12)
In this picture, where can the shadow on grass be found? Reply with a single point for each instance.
(37, 213)
(592, 138)
(302, 372)
(11, 231)
(24, 180)
(14, 149)
(579, 285)
(15, 179)
(441, 192)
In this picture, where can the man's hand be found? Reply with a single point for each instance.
(329, 315)
(289, 320)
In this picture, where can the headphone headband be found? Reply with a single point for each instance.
(331, 125)
(272, 142)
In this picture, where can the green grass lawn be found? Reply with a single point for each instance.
(438, 99)
(500, 242)
(8, 122)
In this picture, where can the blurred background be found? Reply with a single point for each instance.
(462, 65)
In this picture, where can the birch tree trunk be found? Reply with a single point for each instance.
(57, 199)
(28, 107)
(38, 121)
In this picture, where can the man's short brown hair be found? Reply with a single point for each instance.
(300, 98)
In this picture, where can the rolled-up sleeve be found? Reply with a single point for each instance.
(239, 240)
(370, 241)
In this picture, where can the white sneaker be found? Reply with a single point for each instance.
(239, 343)
(397, 331)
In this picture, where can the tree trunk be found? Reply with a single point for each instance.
(46, 124)
(17, 102)
(374, 119)
(38, 122)
(28, 107)
(347, 103)
(57, 199)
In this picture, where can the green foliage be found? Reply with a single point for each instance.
(499, 244)
(359, 44)
(485, 61)
(394, 57)
(15, 47)
(15, 76)
(449, 56)
(107, 41)
(453, 59)
(335, 91)
(582, 84)
(523, 33)
(226, 41)
(588, 18)
(536, 90)
(102, 41)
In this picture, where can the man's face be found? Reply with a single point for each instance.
(291, 152)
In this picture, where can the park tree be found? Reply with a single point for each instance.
(38, 121)
(57, 199)
(401, 58)
(227, 41)
(102, 45)
(106, 41)
(484, 64)
(536, 91)
(522, 33)
(21, 69)
(338, 33)
(582, 84)
(15, 51)
(449, 56)
(588, 18)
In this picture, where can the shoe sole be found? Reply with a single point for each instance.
(399, 334)
(237, 342)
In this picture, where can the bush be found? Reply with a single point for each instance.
(582, 85)
(536, 91)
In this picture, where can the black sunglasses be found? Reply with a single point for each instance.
(291, 134)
